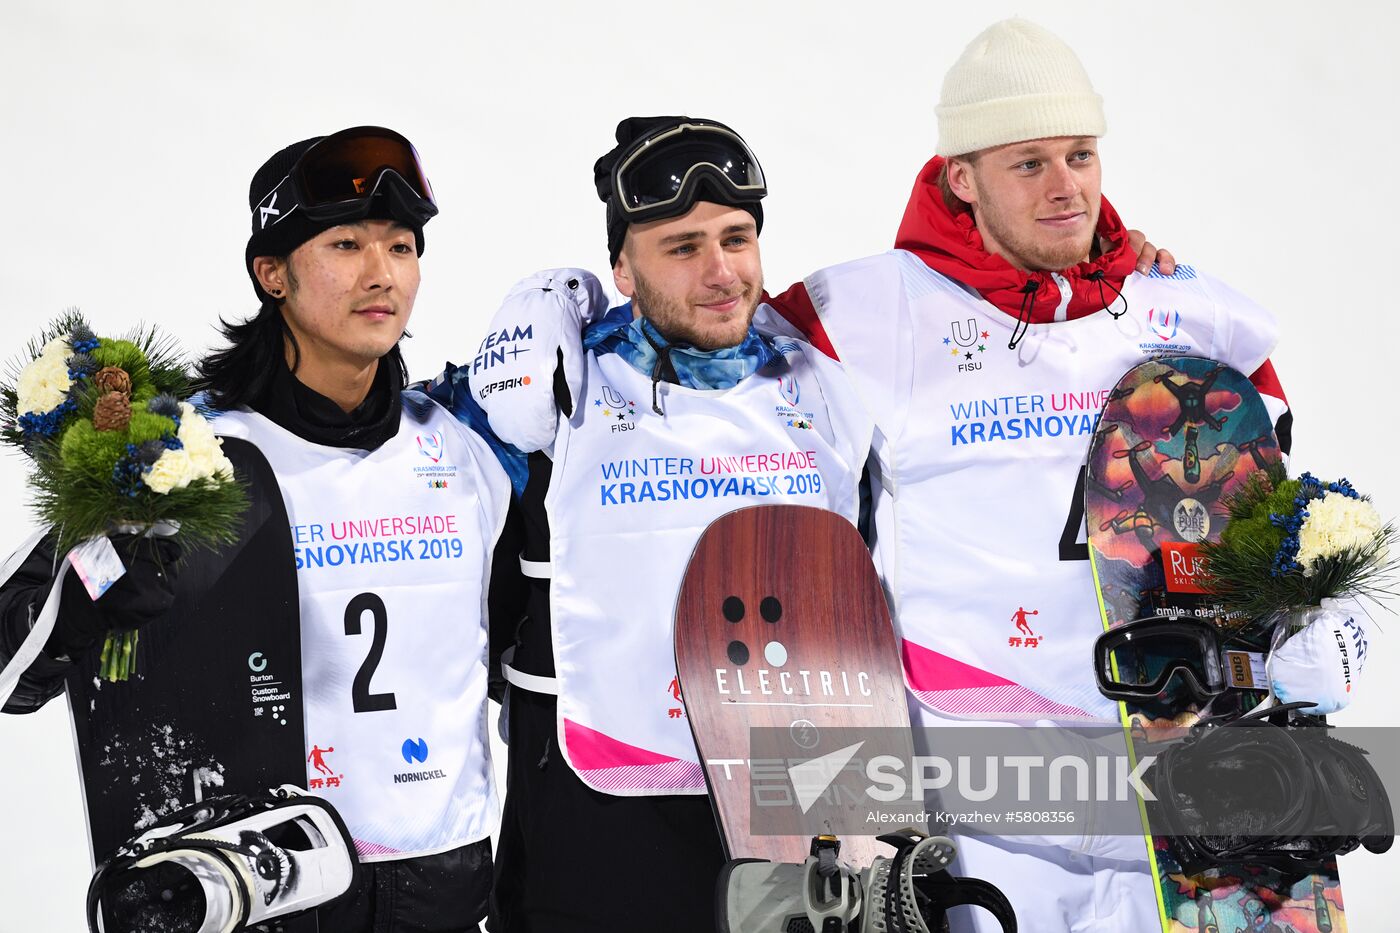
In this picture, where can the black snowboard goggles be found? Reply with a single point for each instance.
(661, 174)
(1137, 660)
(337, 179)
(1253, 790)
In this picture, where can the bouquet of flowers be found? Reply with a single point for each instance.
(116, 445)
(1291, 543)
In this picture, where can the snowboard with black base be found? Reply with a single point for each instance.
(215, 707)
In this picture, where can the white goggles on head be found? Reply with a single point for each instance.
(661, 174)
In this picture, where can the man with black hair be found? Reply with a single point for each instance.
(387, 508)
(606, 824)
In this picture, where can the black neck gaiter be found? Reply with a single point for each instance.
(311, 416)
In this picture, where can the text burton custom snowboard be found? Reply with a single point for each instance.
(782, 627)
(1177, 436)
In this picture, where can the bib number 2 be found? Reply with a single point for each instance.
(364, 700)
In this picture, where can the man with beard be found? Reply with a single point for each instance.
(603, 773)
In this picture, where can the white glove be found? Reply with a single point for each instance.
(1322, 662)
(537, 331)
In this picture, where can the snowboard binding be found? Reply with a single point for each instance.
(224, 864)
(908, 893)
(1247, 790)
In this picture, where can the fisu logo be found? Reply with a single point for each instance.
(430, 445)
(969, 338)
(613, 398)
(1164, 323)
(615, 409)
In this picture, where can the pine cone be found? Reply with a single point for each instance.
(113, 412)
(112, 379)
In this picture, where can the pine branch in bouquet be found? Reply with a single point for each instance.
(1256, 489)
(66, 323)
(166, 361)
(80, 506)
(1238, 578)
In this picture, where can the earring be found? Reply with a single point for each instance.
(276, 293)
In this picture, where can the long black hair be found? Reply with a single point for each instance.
(243, 370)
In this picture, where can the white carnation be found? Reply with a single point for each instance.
(174, 470)
(205, 449)
(194, 428)
(1335, 524)
(202, 463)
(44, 383)
(223, 468)
(207, 458)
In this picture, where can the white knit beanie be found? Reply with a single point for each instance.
(1016, 81)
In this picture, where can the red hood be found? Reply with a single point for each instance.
(951, 244)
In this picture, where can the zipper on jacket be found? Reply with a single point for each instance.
(1066, 293)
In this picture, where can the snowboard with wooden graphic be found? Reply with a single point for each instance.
(1176, 438)
(782, 628)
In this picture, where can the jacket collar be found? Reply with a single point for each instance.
(303, 411)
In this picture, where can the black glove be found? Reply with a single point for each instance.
(145, 592)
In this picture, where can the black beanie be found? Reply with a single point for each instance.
(628, 132)
(279, 239)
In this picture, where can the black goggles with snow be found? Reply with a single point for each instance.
(660, 175)
(337, 179)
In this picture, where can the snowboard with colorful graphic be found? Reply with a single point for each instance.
(1176, 438)
(782, 628)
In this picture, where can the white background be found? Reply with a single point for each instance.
(1256, 139)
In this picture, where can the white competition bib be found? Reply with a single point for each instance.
(983, 549)
(392, 548)
(630, 493)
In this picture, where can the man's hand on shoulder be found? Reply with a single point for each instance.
(1147, 254)
(530, 364)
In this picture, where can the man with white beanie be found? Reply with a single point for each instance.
(983, 346)
(984, 342)
(1015, 81)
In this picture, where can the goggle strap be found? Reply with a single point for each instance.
(278, 205)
